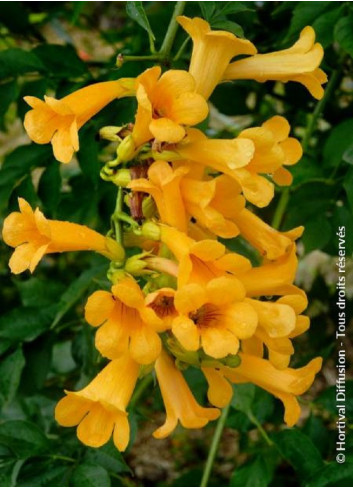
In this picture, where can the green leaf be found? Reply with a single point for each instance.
(300, 452)
(49, 186)
(317, 234)
(327, 399)
(207, 9)
(16, 61)
(88, 154)
(304, 14)
(26, 323)
(8, 94)
(348, 186)
(324, 26)
(230, 26)
(61, 61)
(348, 155)
(344, 34)
(38, 359)
(75, 291)
(23, 438)
(44, 474)
(109, 458)
(17, 166)
(90, 475)
(228, 8)
(243, 397)
(10, 374)
(37, 292)
(334, 474)
(136, 11)
(337, 143)
(256, 473)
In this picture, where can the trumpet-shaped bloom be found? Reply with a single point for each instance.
(299, 63)
(223, 155)
(201, 261)
(33, 236)
(212, 51)
(178, 198)
(220, 390)
(274, 278)
(99, 409)
(213, 317)
(126, 323)
(179, 402)
(163, 184)
(271, 243)
(166, 104)
(285, 384)
(58, 121)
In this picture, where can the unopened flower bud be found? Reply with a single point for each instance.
(232, 361)
(119, 60)
(148, 207)
(126, 150)
(135, 265)
(122, 178)
(150, 230)
(111, 133)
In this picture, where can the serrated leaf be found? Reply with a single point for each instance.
(23, 438)
(75, 290)
(136, 11)
(16, 61)
(10, 374)
(90, 475)
(344, 34)
(300, 452)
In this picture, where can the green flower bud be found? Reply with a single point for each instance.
(122, 178)
(126, 150)
(111, 133)
(150, 230)
(148, 207)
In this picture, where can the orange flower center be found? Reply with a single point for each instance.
(163, 306)
(206, 316)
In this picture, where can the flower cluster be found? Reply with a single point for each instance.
(185, 299)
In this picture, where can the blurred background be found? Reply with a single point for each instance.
(55, 48)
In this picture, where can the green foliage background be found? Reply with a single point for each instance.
(45, 346)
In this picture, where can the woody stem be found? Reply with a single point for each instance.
(214, 446)
(172, 30)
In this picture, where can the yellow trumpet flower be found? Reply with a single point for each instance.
(99, 409)
(166, 104)
(125, 322)
(211, 53)
(214, 317)
(299, 63)
(179, 402)
(58, 121)
(285, 384)
(33, 236)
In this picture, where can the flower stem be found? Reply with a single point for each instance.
(214, 446)
(172, 30)
(141, 388)
(116, 217)
(284, 199)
